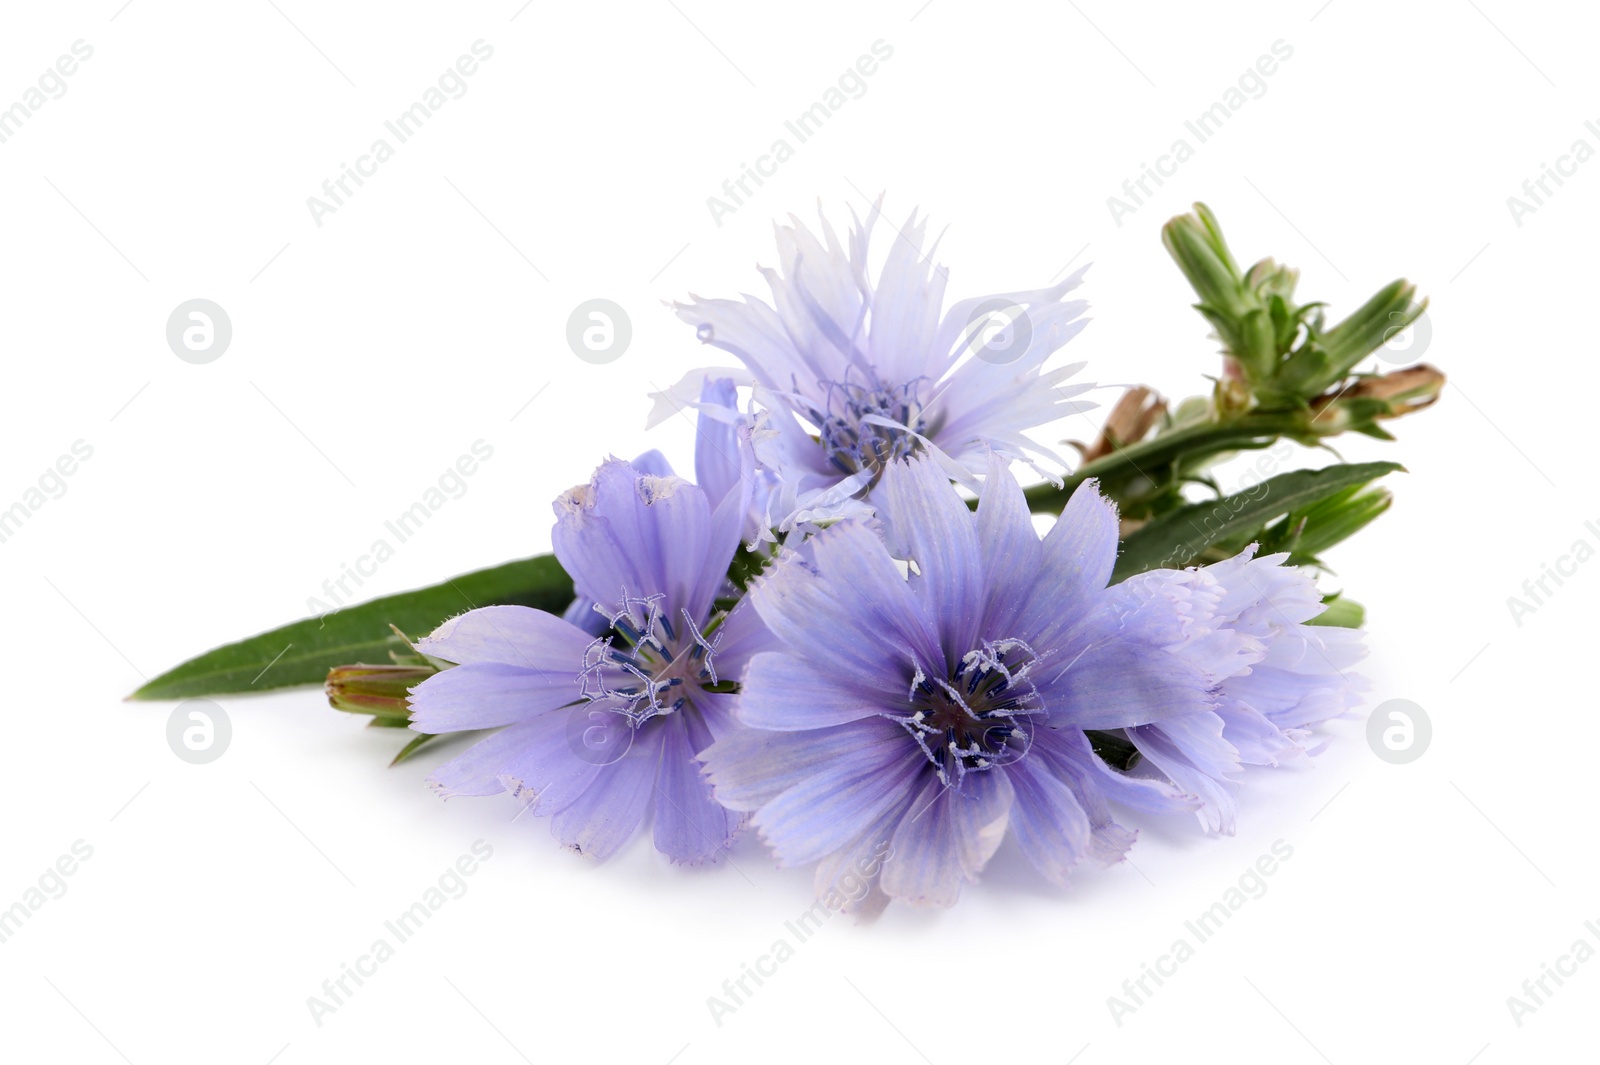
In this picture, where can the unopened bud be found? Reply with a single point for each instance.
(1138, 411)
(381, 691)
(1376, 398)
(1404, 390)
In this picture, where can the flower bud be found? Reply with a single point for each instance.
(1139, 410)
(1376, 398)
(381, 691)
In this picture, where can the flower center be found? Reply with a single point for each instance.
(864, 428)
(646, 666)
(981, 716)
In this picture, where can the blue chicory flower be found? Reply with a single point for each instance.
(599, 723)
(935, 713)
(1244, 622)
(853, 374)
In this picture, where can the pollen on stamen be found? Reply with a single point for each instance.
(977, 719)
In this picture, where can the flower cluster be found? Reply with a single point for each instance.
(826, 639)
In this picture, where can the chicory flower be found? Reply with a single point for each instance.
(854, 373)
(602, 722)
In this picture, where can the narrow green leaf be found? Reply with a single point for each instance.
(413, 747)
(1181, 537)
(1307, 532)
(304, 651)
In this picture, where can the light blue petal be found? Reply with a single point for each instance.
(849, 610)
(947, 837)
(654, 463)
(690, 826)
(534, 760)
(750, 331)
(635, 534)
(905, 309)
(1051, 826)
(930, 525)
(1119, 684)
(1191, 751)
(741, 636)
(1072, 759)
(513, 635)
(958, 319)
(853, 874)
(1078, 554)
(1147, 794)
(600, 820)
(478, 769)
(789, 693)
(1258, 740)
(726, 469)
(488, 695)
(1013, 560)
(563, 753)
(581, 613)
(751, 767)
(717, 465)
(832, 808)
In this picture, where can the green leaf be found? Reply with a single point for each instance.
(1183, 536)
(303, 652)
(1341, 613)
(1307, 532)
(413, 747)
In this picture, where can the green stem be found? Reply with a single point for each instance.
(1156, 458)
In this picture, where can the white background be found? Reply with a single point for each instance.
(429, 312)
